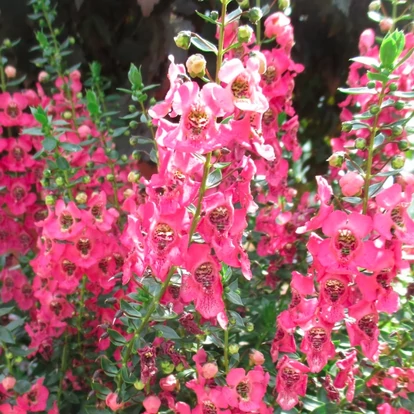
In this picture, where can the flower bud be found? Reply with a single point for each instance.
(399, 105)
(60, 181)
(152, 404)
(374, 109)
(50, 200)
(243, 4)
(196, 66)
(360, 143)
(397, 162)
(256, 358)
(169, 383)
(214, 15)
(346, 127)
(8, 383)
(397, 130)
(371, 84)
(386, 24)
(139, 385)
(110, 177)
(233, 349)
(86, 179)
(124, 158)
(336, 159)
(133, 124)
(133, 141)
(47, 173)
(133, 177)
(393, 87)
(131, 108)
(67, 115)
(43, 76)
(255, 14)
(249, 327)
(244, 34)
(81, 198)
(167, 367)
(403, 146)
(136, 155)
(374, 5)
(179, 367)
(10, 71)
(183, 39)
(209, 370)
(84, 131)
(72, 40)
(351, 184)
(128, 193)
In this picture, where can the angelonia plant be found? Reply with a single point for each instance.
(225, 281)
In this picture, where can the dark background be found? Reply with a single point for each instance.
(116, 33)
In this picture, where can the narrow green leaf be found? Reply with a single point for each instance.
(167, 332)
(49, 144)
(214, 179)
(203, 44)
(116, 338)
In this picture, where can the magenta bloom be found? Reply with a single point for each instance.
(291, 381)
(203, 285)
(34, 400)
(364, 331)
(246, 391)
(284, 340)
(13, 106)
(317, 344)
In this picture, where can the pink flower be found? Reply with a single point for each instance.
(284, 340)
(111, 401)
(36, 399)
(366, 41)
(246, 391)
(346, 367)
(13, 106)
(209, 370)
(351, 184)
(278, 25)
(169, 383)
(256, 357)
(9, 409)
(152, 404)
(291, 381)
(8, 383)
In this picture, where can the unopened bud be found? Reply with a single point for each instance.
(255, 14)
(167, 367)
(374, 5)
(133, 141)
(393, 87)
(136, 155)
(403, 146)
(397, 130)
(386, 24)
(183, 39)
(8, 383)
(233, 349)
(196, 65)
(214, 15)
(346, 127)
(50, 200)
(397, 162)
(399, 105)
(133, 124)
(86, 179)
(43, 76)
(374, 109)
(60, 181)
(371, 84)
(110, 177)
(133, 177)
(256, 358)
(10, 71)
(336, 159)
(128, 193)
(249, 327)
(360, 143)
(209, 370)
(81, 198)
(124, 158)
(139, 385)
(67, 115)
(179, 367)
(131, 108)
(7, 42)
(244, 34)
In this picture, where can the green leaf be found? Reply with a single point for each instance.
(221, 165)
(234, 297)
(378, 140)
(22, 386)
(19, 351)
(32, 131)
(203, 44)
(388, 173)
(119, 131)
(357, 91)
(49, 144)
(214, 179)
(233, 16)
(5, 311)
(131, 310)
(367, 61)
(62, 163)
(40, 115)
(135, 77)
(67, 146)
(227, 120)
(352, 200)
(374, 188)
(127, 377)
(167, 332)
(101, 391)
(109, 368)
(404, 95)
(131, 116)
(6, 336)
(206, 18)
(153, 156)
(116, 338)
(92, 103)
(378, 77)
(391, 48)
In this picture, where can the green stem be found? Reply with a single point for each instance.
(374, 130)
(2, 75)
(226, 350)
(152, 307)
(258, 26)
(9, 363)
(68, 188)
(63, 366)
(206, 170)
(115, 187)
(79, 319)
(151, 128)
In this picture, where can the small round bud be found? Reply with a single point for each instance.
(10, 71)
(249, 327)
(386, 24)
(166, 366)
(374, 109)
(169, 383)
(183, 39)
(232, 321)
(351, 184)
(139, 385)
(360, 143)
(243, 4)
(209, 370)
(67, 115)
(151, 404)
(131, 108)
(8, 383)
(79, 95)
(336, 159)
(133, 141)
(110, 177)
(371, 84)
(399, 105)
(374, 5)
(43, 76)
(50, 200)
(124, 158)
(133, 177)
(7, 42)
(255, 14)
(256, 357)
(214, 15)
(47, 173)
(397, 130)
(90, 164)
(127, 133)
(86, 179)
(179, 367)
(133, 124)
(346, 127)
(393, 87)
(81, 198)
(233, 349)
(108, 150)
(403, 146)
(397, 162)
(136, 155)
(244, 34)
(45, 182)
(60, 181)
(72, 40)
(196, 65)
(56, 32)
(284, 4)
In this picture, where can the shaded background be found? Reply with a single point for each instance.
(118, 32)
